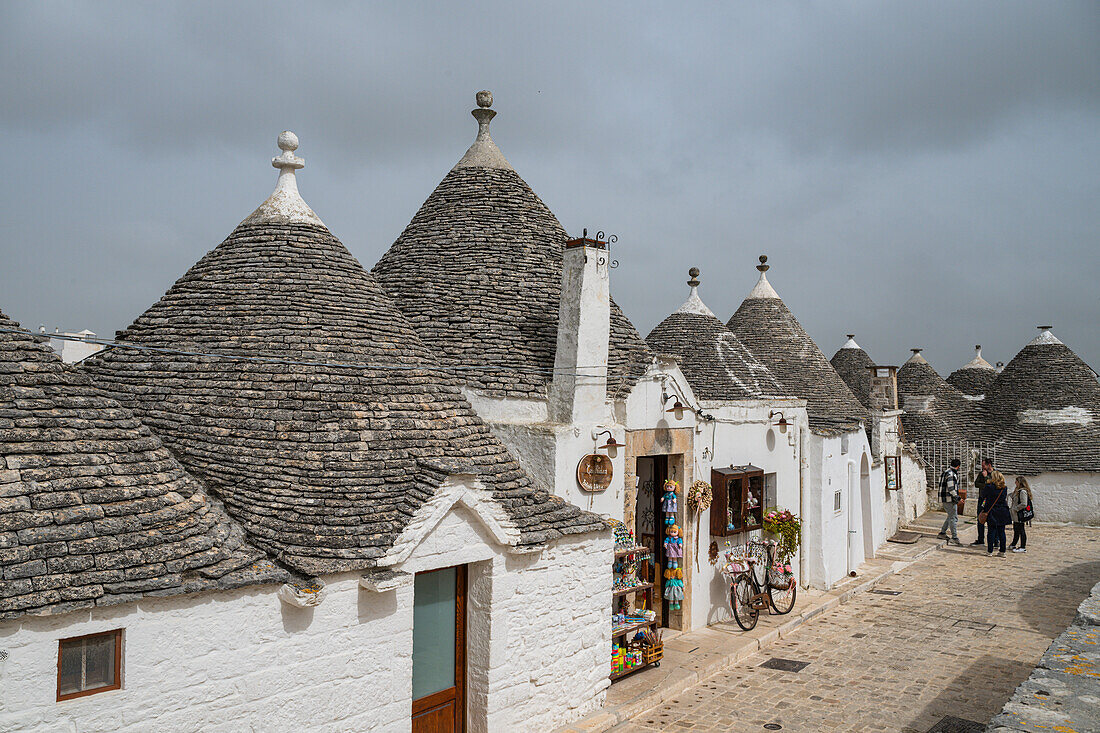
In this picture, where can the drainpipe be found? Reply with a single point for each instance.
(801, 443)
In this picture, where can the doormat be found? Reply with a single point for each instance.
(905, 537)
(951, 724)
(785, 665)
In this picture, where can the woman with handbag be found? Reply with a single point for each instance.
(1022, 512)
(993, 508)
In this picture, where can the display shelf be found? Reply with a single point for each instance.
(624, 591)
(621, 630)
(632, 670)
(640, 550)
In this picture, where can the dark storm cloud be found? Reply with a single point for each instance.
(921, 173)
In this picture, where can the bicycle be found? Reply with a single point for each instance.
(747, 597)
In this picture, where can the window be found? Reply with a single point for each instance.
(836, 501)
(89, 664)
(771, 498)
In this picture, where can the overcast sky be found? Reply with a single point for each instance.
(919, 173)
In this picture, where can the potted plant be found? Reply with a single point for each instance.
(786, 527)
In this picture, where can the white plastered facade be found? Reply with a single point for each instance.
(1064, 496)
(242, 660)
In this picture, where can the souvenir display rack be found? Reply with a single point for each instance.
(635, 643)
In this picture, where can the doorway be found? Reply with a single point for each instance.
(439, 651)
(649, 528)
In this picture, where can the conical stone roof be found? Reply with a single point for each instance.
(933, 409)
(852, 364)
(975, 377)
(1045, 407)
(771, 332)
(714, 361)
(478, 274)
(306, 400)
(93, 509)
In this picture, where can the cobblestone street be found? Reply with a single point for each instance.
(962, 632)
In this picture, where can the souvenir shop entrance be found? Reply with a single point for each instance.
(654, 456)
(649, 528)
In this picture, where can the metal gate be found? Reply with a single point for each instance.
(937, 455)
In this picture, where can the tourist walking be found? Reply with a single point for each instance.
(993, 507)
(1022, 511)
(949, 497)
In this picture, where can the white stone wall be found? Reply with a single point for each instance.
(833, 551)
(1064, 497)
(740, 435)
(228, 661)
(539, 640)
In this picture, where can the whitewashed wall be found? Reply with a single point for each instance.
(242, 661)
(740, 435)
(833, 469)
(1064, 497)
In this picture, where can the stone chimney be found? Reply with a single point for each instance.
(884, 388)
(578, 392)
(885, 415)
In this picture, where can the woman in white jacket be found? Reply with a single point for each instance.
(1018, 501)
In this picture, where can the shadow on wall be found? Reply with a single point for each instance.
(376, 606)
(995, 676)
(295, 619)
(1050, 604)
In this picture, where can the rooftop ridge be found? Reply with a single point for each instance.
(285, 205)
(484, 153)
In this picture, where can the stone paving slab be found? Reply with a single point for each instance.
(963, 632)
(694, 656)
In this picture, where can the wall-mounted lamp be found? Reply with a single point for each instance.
(612, 446)
(677, 407)
(782, 421)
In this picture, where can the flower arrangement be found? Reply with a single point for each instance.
(788, 527)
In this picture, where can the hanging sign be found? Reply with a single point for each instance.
(594, 472)
(893, 472)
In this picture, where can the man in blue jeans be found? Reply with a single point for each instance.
(949, 497)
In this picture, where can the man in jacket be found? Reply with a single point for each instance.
(979, 482)
(949, 497)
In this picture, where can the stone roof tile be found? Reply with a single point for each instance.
(714, 361)
(478, 274)
(774, 336)
(94, 509)
(307, 402)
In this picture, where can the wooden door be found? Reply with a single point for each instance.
(439, 651)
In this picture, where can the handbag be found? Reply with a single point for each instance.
(982, 516)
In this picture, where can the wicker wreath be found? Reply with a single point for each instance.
(699, 496)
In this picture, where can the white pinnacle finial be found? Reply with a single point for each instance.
(1044, 337)
(763, 288)
(978, 362)
(694, 304)
(851, 342)
(917, 358)
(484, 153)
(285, 205)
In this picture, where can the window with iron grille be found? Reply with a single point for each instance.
(837, 498)
(89, 664)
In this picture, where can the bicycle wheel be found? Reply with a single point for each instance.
(741, 595)
(782, 598)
